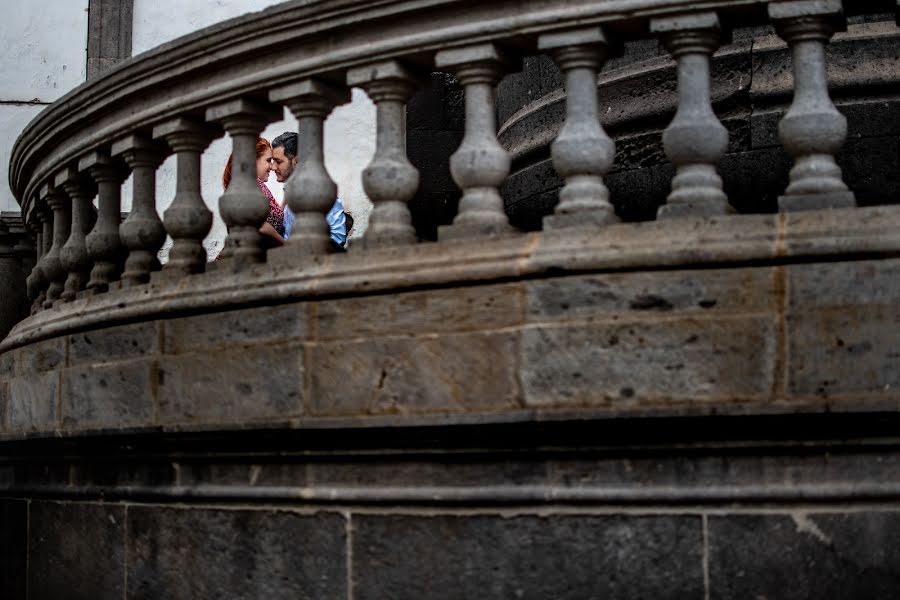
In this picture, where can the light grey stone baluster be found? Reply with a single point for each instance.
(310, 191)
(582, 153)
(74, 254)
(187, 219)
(53, 269)
(390, 180)
(813, 130)
(35, 282)
(142, 232)
(696, 140)
(480, 165)
(103, 242)
(243, 206)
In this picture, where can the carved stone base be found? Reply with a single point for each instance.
(816, 201)
(693, 209)
(593, 218)
(466, 231)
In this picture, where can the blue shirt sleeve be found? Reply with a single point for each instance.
(288, 221)
(337, 221)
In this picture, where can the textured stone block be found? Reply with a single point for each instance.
(33, 402)
(114, 343)
(437, 311)
(40, 357)
(4, 404)
(207, 553)
(13, 547)
(6, 364)
(116, 395)
(76, 551)
(640, 363)
(528, 557)
(271, 324)
(448, 470)
(415, 375)
(839, 284)
(852, 556)
(234, 384)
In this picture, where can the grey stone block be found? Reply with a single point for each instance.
(13, 547)
(7, 363)
(647, 362)
(4, 404)
(40, 356)
(232, 384)
(114, 343)
(116, 395)
(404, 375)
(528, 557)
(209, 553)
(852, 556)
(839, 284)
(273, 324)
(76, 551)
(33, 402)
(263, 474)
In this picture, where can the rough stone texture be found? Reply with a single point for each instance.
(41, 357)
(270, 324)
(76, 551)
(280, 554)
(33, 402)
(262, 381)
(13, 545)
(109, 34)
(117, 343)
(805, 555)
(113, 395)
(562, 557)
(402, 375)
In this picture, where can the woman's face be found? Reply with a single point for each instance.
(262, 164)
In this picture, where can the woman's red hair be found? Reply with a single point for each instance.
(262, 145)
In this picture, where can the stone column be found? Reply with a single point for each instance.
(390, 180)
(53, 268)
(187, 219)
(310, 191)
(13, 300)
(696, 140)
(74, 254)
(243, 206)
(35, 281)
(813, 130)
(582, 153)
(480, 165)
(103, 242)
(142, 232)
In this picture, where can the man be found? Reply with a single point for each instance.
(284, 159)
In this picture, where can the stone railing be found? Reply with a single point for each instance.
(235, 77)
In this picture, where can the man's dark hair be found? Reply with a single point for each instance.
(288, 140)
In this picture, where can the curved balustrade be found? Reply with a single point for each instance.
(179, 97)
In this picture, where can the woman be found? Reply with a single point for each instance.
(274, 225)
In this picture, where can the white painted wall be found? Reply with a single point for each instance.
(44, 50)
(349, 131)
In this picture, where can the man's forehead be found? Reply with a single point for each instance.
(278, 152)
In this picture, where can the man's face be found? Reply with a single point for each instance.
(282, 165)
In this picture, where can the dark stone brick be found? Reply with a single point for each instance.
(209, 553)
(851, 556)
(33, 402)
(116, 395)
(40, 357)
(274, 324)
(13, 546)
(76, 551)
(559, 557)
(872, 169)
(114, 343)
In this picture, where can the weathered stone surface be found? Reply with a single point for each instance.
(851, 556)
(232, 384)
(13, 547)
(40, 357)
(272, 324)
(76, 551)
(415, 375)
(209, 553)
(120, 394)
(463, 309)
(33, 402)
(559, 556)
(644, 362)
(114, 343)
(210, 472)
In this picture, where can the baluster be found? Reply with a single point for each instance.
(480, 164)
(53, 269)
(390, 180)
(243, 206)
(696, 140)
(310, 191)
(142, 232)
(582, 153)
(74, 254)
(35, 280)
(103, 242)
(813, 130)
(46, 216)
(187, 219)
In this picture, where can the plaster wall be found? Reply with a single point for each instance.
(349, 131)
(43, 57)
